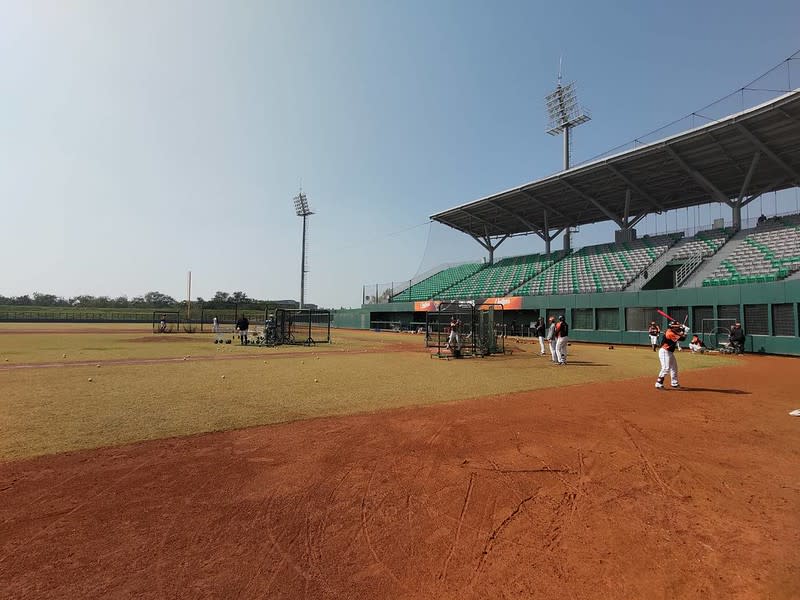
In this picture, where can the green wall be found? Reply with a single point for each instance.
(781, 292)
(354, 318)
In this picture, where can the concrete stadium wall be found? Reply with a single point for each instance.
(759, 295)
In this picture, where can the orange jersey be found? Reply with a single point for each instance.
(671, 339)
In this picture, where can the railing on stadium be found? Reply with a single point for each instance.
(381, 293)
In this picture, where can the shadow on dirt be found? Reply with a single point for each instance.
(584, 363)
(714, 390)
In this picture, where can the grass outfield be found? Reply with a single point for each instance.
(49, 406)
(48, 343)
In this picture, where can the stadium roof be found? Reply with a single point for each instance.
(731, 160)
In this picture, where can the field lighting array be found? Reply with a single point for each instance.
(302, 209)
(564, 113)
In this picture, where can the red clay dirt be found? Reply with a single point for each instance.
(611, 490)
(68, 328)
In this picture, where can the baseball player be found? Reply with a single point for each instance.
(540, 331)
(454, 341)
(215, 327)
(243, 324)
(550, 336)
(697, 345)
(561, 334)
(666, 354)
(653, 333)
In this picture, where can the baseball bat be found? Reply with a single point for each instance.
(665, 315)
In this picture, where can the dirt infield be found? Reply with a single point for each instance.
(607, 490)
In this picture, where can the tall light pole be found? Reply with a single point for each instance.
(564, 113)
(302, 209)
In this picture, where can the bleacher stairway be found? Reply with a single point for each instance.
(653, 269)
(710, 264)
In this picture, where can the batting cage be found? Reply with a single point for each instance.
(715, 334)
(166, 321)
(297, 326)
(465, 329)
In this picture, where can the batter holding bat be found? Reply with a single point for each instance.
(674, 334)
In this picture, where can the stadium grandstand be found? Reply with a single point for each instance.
(733, 160)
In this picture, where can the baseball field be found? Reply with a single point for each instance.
(135, 465)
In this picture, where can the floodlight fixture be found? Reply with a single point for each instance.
(302, 209)
(564, 113)
(563, 110)
(301, 206)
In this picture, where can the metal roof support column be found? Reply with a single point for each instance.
(792, 172)
(636, 220)
(653, 202)
(567, 239)
(486, 242)
(627, 208)
(546, 237)
(767, 188)
(591, 200)
(736, 215)
(698, 177)
(736, 205)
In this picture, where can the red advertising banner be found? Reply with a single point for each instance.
(426, 306)
(507, 302)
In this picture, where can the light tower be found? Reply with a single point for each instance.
(564, 113)
(302, 209)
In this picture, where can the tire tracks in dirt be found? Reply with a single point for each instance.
(488, 545)
(647, 463)
(178, 573)
(365, 526)
(286, 558)
(464, 508)
(76, 508)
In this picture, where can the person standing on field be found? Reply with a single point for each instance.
(737, 338)
(666, 354)
(540, 331)
(653, 333)
(561, 334)
(243, 324)
(550, 336)
(217, 331)
(454, 341)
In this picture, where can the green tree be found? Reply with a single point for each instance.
(157, 299)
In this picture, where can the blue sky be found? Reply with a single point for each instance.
(139, 140)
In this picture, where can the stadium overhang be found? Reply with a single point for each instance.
(733, 160)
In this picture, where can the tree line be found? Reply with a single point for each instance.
(149, 300)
